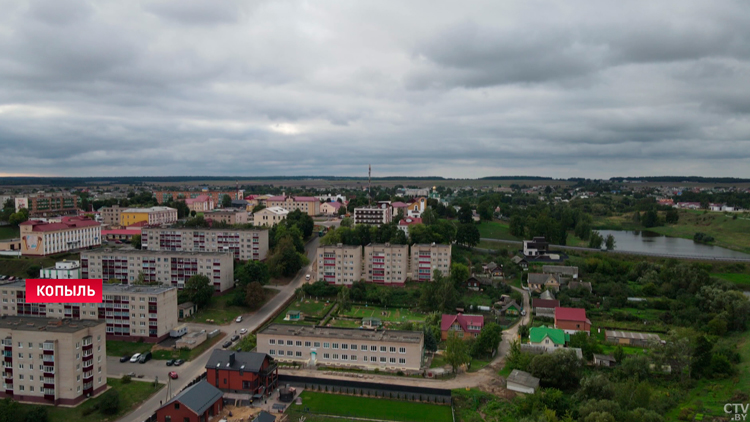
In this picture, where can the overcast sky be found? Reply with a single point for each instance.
(453, 89)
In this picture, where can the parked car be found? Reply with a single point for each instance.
(239, 319)
(307, 277)
(125, 358)
(131, 374)
(178, 362)
(173, 375)
(135, 358)
(235, 338)
(243, 331)
(170, 362)
(145, 357)
(226, 344)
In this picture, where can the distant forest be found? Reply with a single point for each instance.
(678, 179)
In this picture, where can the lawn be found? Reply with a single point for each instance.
(9, 232)
(312, 310)
(736, 278)
(384, 409)
(495, 230)
(438, 361)
(476, 299)
(477, 364)
(18, 267)
(131, 395)
(221, 312)
(121, 348)
(390, 314)
(188, 354)
(709, 396)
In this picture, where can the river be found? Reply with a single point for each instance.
(652, 242)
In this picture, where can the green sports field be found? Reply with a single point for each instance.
(390, 314)
(363, 407)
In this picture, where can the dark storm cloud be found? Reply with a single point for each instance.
(419, 88)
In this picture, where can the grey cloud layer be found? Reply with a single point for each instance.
(288, 87)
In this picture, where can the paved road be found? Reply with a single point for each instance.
(578, 248)
(192, 369)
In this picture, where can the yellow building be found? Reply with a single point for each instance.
(153, 215)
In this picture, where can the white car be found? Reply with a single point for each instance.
(243, 331)
(307, 277)
(239, 319)
(135, 358)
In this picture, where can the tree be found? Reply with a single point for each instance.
(226, 201)
(136, 241)
(341, 211)
(464, 214)
(468, 235)
(33, 271)
(517, 226)
(347, 222)
(255, 295)
(586, 343)
(303, 221)
(672, 216)
(8, 208)
(459, 274)
(193, 213)
(650, 218)
(252, 271)
(487, 340)
(561, 369)
(258, 207)
(285, 260)
(430, 341)
(517, 359)
(524, 331)
(595, 240)
(344, 299)
(456, 351)
(19, 217)
(486, 211)
(619, 354)
(109, 403)
(198, 290)
(609, 242)
(246, 343)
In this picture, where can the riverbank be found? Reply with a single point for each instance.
(729, 232)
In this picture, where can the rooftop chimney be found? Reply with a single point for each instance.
(231, 359)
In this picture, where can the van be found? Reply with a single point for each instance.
(145, 357)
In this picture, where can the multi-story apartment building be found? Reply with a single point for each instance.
(63, 269)
(53, 361)
(425, 259)
(215, 197)
(230, 216)
(48, 204)
(111, 215)
(40, 238)
(245, 244)
(269, 217)
(373, 216)
(351, 347)
(307, 204)
(340, 264)
(131, 313)
(165, 267)
(151, 216)
(386, 264)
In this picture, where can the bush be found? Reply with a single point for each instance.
(110, 402)
(125, 379)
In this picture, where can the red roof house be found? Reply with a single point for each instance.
(469, 325)
(572, 320)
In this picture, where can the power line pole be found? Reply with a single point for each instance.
(369, 184)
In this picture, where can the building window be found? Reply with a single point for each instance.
(373, 348)
(177, 404)
(326, 345)
(272, 352)
(307, 344)
(298, 343)
(401, 360)
(373, 359)
(402, 349)
(290, 343)
(392, 360)
(271, 341)
(316, 344)
(326, 356)
(382, 360)
(335, 345)
(393, 349)
(383, 349)
(298, 354)
(335, 356)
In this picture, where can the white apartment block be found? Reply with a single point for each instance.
(269, 217)
(386, 264)
(52, 361)
(340, 264)
(373, 216)
(42, 238)
(130, 312)
(245, 244)
(164, 267)
(425, 259)
(347, 347)
(63, 270)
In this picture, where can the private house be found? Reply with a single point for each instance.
(331, 208)
(511, 308)
(521, 262)
(269, 217)
(572, 320)
(405, 223)
(604, 360)
(544, 307)
(493, 270)
(547, 294)
(561, 271)
(629, 338)
(538, 282)
(466, 326)
(522, 382)
(198, 403)
(416, 207)
(548, 338)
(538, 246)
(473, 284)
(242, 372)
(476, 282)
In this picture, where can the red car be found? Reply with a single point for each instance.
(173, 375)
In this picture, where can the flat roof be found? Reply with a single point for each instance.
(344, 333)
(54, 325)
(631, 335)
(151, 209)
(112, 288)
(148, 252)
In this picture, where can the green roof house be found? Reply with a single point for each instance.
(549, 338)
(293, 316)
(371, 322)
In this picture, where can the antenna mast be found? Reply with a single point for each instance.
(369, 184)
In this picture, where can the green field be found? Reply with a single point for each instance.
(121, 348)
(391, 314)
(131, 395)
(18, 267)
(383, 409)
(495, 230)
(221, 312)
(736, 278)
(9, 232)
(312, 310)
(708, 396)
